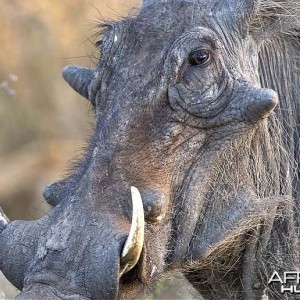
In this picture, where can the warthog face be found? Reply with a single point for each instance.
(178, 101)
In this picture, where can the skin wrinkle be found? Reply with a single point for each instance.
(201, 43)
(186, 141)
(213, 203)
(199, 80)
(218, 124)
(194, 164)
(214, 101)
(187, 189)
(182, 97)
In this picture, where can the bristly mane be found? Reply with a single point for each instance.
(278, 24)
(276, 151)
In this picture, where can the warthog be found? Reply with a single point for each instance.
(184, 95)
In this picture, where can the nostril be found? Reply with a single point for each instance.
(262, 103)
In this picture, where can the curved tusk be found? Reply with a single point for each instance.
(134, 244)
(3, 220)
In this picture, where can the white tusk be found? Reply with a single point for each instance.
(3, 220)
(134, 244)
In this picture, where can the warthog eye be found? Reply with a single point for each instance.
(199, 57)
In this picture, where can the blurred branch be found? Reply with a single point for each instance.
(5, 85)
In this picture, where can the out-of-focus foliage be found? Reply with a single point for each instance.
(43, 123)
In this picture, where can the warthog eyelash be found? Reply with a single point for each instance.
(103, 30)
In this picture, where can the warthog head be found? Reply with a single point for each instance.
(187, 165)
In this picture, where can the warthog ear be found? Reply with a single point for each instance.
(79, 79)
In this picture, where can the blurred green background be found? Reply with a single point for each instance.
(43, 123)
